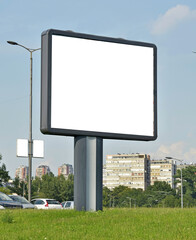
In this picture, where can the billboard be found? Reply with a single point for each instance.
(98, 86)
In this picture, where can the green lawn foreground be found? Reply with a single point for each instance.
(138, 223)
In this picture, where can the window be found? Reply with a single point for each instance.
(68, 204)
(52, 202)
(4, 197)
(39, 202)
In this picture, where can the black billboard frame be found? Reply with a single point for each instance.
(46, 58)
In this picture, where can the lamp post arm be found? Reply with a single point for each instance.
(29, 49)
(33, 50)
(20, 45)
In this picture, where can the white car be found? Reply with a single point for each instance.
(68, 205)
(46, 203)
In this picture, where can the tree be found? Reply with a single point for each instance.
(106, 199)
(189, 180)
(189, 201)
(36, 188)
(4, 176)
(160, 186)
(5, 190)
(50, 186)
(157, 193)
(19, 187)
(116, 194)
(131, 197)
(170, 201)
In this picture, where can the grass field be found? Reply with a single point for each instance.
(138, 223)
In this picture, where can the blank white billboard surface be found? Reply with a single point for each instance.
(99, 86)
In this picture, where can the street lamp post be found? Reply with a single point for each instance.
(129, 201)
(30, 142)
(181, 178)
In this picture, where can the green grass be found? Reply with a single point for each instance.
(139, 223)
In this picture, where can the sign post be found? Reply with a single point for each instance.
(88, 161)
(95, 88)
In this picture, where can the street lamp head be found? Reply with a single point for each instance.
(12, 43)
(174, 159)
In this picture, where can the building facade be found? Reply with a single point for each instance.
(42, 170)
(131, 170)
(22, 173)
(65, 170)
(163, 170)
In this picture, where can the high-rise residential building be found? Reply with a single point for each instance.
(65, 170)
(131, 170)
(22, 173)
(185, 165)
(42, 170)
(163, 170)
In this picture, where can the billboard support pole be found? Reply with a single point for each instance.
(88, 164)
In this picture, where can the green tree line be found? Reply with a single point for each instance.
(158, 195)
(49, 186)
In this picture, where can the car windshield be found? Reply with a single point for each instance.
(4, 197)
(19, 199)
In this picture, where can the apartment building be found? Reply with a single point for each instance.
(22, 173)
(42, 170)
(131, 170)
(65, 170)
(163, 170)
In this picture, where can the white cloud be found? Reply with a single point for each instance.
(179, 150)
(173, 150)
(172, 18)
(190, 156)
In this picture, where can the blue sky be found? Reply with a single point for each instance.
(169, 24)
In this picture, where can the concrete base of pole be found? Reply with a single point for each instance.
(88, 161)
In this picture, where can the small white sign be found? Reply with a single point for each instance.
(38, 148)
(22, 148)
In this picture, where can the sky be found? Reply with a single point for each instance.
(169, 24)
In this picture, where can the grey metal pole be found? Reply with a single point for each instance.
(30, 141)
(180, 160)
(88, 161)
(181, 190)
(30, 153)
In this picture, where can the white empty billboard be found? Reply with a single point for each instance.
(98, 86)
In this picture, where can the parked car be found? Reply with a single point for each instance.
(22, 200)
(68, 205)
(7, 202)
(1, 207)
(46, 203)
